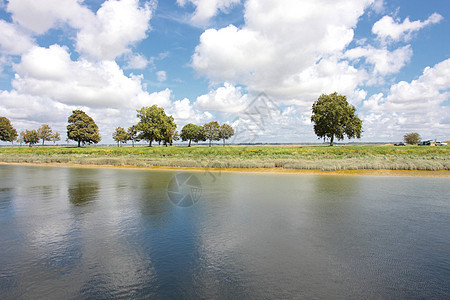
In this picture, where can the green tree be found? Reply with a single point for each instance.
(212, 131)
(7, 131)
(334, 117)
(21, 138)
(168, 130)
(226, 131)
(82, 128)
(133, 135)
(154, 124)
(31, 137)
(412, 138)
(120, 136)
(56, 137)
(45, 133)
(191, 132)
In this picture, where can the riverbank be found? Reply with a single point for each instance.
(261, 158)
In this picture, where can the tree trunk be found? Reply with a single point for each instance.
(210, 143)
(79, 142)
(150, 144)
(224, 142)
(189, 143)
(43, 142)
(332, 139)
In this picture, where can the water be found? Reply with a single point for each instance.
(70, 233)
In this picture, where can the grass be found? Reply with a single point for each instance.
(284, 156)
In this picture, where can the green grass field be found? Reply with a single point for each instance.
(350, 157)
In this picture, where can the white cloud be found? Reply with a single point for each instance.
(136, 62)
(118, 25)
(40, 16)
(12, 40)
(388, 29)
(161, 76)
(224, 99)
(286, 48)
(206, 9)
(49, 72)
(383, 61)
(414, 106)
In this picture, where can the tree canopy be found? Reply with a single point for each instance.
(212, 131)
(31, 137)
(120, 136)
(155, 125)
(7, 131)
(56, 137)
(226, 131)
(82, 128)
(192, 132)
(45, 133)
(334, 117)
(133, 134)
(411, 138)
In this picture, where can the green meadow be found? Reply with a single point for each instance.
(326, 158)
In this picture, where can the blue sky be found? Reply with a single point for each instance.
(205, 60)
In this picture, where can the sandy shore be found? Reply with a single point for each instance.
(363, 172)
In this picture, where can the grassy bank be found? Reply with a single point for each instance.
(286, 156)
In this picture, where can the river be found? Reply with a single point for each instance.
(71, 233)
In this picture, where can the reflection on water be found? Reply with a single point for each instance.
(108, 233)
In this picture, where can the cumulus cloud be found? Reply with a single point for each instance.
(228, 98)
(136, 62)
(383, 61)
(118, 24)
(161, 76)
(388, 29)
(412, 106)
(40, 16)
(206, 9)
(50, 72)
(283, 45)
(13, 40)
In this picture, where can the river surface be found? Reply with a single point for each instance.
(76, 233)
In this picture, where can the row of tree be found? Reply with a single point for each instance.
(9, 134)
(155, 125)
(332, 116)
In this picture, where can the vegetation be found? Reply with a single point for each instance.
(192, 132)
(226, 131)
(412, 138)
(31, 137)
(334, 117)
(120, 136)
(45, 133)
(82, 128)
(133, 134)
(289, 157)
(56, 137)
(7, 131)
(212, 131)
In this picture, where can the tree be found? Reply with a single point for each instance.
(151, 123)
(412, 138)
(21, 138)
(168, 130)
(212, 131)
(226, 131)
(82, 128)
(7, 131)
(56, 137)
(133, 134)
(334, 117)
(45, 133)
(191, 132)
(31, 137)
(120, 136)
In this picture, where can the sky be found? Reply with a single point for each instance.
(257, 65)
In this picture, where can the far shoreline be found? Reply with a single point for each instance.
(276, 170)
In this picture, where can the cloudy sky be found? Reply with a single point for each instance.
(255, 64)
